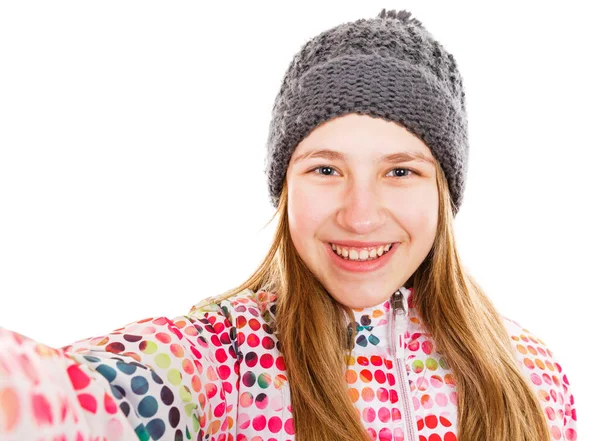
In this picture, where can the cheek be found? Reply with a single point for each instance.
(307, 211)
(418, 214)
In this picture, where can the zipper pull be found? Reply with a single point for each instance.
(400, 321)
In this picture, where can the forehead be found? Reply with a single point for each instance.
(361, 137)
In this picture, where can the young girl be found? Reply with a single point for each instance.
(361, 322)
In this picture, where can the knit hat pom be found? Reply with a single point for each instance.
(403, 16)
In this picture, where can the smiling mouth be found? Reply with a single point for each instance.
(362, 255)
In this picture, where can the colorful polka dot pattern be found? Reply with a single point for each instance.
(218, 374)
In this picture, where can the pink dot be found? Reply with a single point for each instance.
(275, 424)
(555, 432)
(259, 422)
(41, 409)
(436, 381)
(29, 369)
(536, 379)
(289, 426)
(384, 414)
(398, 434)
(441, 399)
(385, 434)
(382, 394)
(368, 414)
(427, 347)
(571, 435)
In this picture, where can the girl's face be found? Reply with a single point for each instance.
(342, 188)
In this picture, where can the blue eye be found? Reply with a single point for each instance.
(326, 167)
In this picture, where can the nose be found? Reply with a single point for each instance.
(361, 211)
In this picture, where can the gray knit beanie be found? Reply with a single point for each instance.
(389, 67)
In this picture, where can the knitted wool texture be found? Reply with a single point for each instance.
(388, 67)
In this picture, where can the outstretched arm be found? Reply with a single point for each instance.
(156, 378)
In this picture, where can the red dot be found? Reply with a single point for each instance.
(253, 341)
(268, 342)
(115, 347)
(445, 421)
(431, 421)
(266, 361)
(88, 402)
(376, 360)
(220, 410)
(449, 436)
(280, 363)
(221, 355)
(379, 376)
(79, 379)
(224, 371)
(363, 361)
(366, 376)
(109, 404)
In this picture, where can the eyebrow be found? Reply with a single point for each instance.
(394, 157)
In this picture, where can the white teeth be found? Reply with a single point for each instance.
(353, 254)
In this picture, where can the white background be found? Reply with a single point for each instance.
(132, 144)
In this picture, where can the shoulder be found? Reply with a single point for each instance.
(240, 307)
(540, 362)
(544, 371)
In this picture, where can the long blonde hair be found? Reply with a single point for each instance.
(495, 402)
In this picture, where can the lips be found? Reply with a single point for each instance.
(359, 266)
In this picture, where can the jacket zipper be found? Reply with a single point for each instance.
(399, 322)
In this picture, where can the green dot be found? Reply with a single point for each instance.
(264, 380)
(195, 423)
(148, 347)
(189, 408)
(417, 366)
(431, 364)
(185, 394)
(163, 361)
(174, 377)
(443, 363)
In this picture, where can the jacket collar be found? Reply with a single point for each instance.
(372, 322)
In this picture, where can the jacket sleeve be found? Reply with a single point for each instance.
(154, 379)
(548, 380)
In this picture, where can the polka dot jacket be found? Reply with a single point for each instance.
(217, 374)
